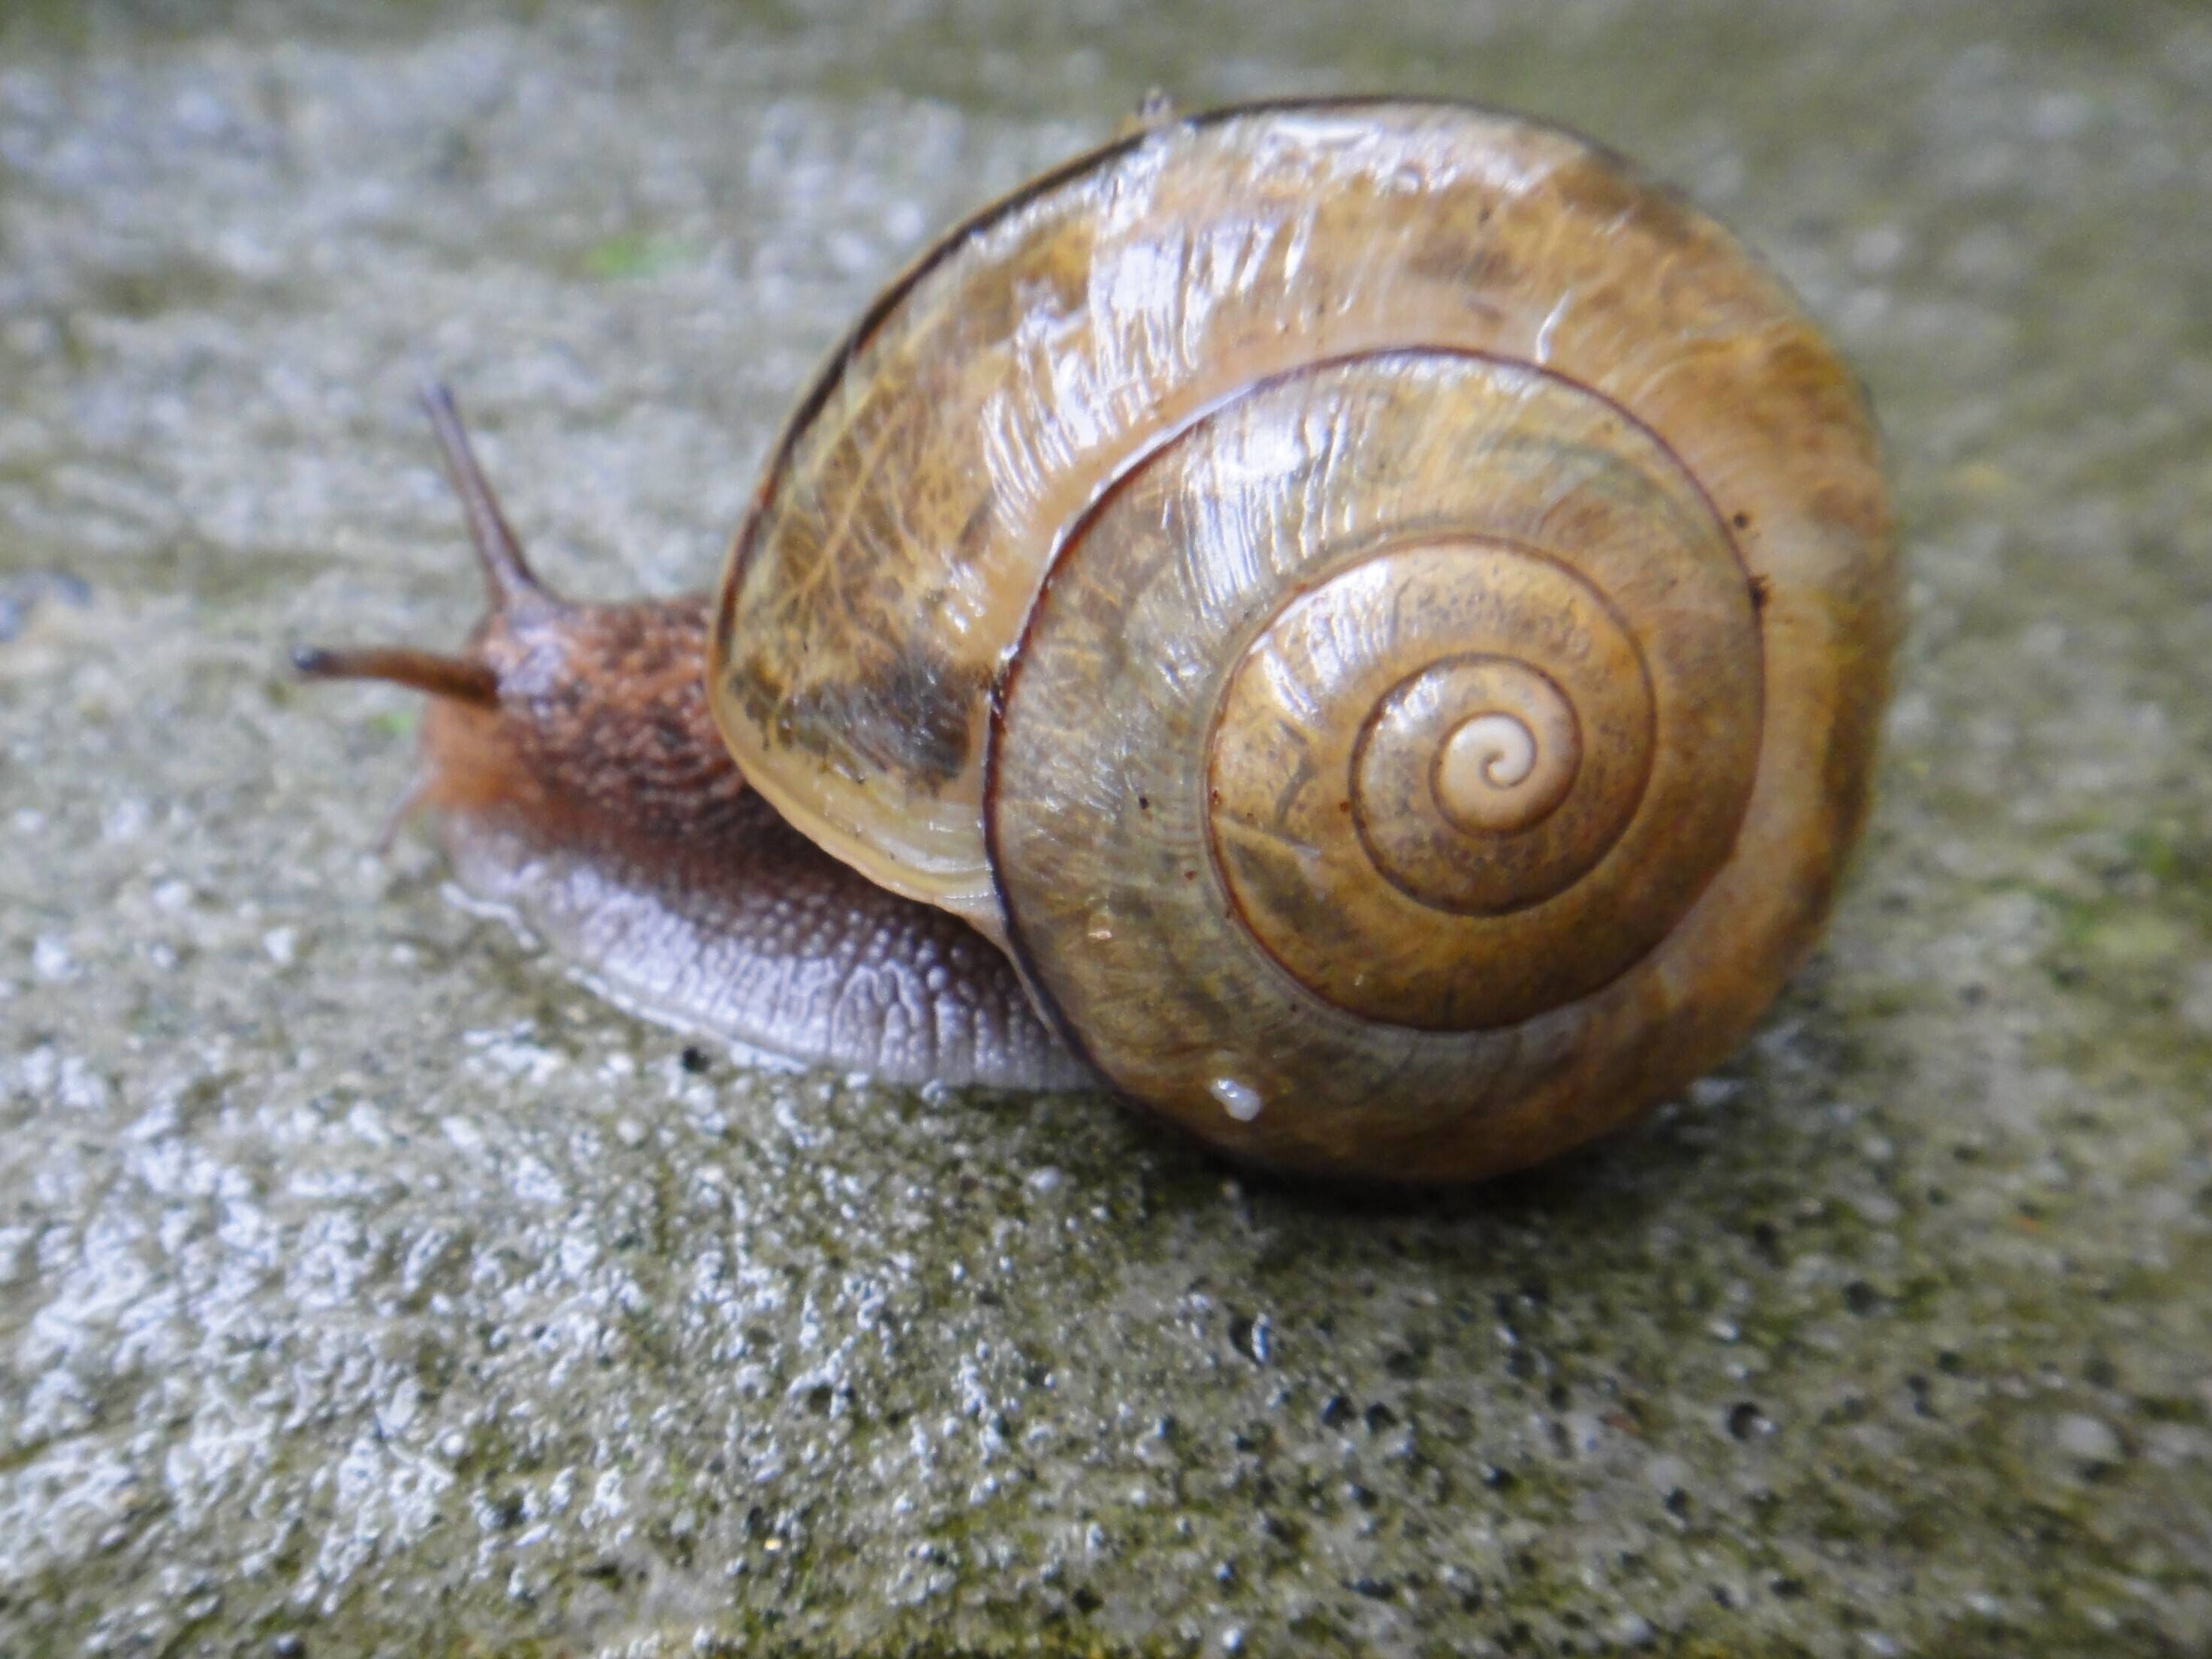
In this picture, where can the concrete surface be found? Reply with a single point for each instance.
(365, 1286)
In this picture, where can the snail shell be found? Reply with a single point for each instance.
(1384, 613)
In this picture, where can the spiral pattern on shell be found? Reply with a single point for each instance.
(1383, 612)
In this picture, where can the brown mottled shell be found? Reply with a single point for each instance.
(1382, 611)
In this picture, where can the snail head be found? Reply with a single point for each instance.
(589, 711)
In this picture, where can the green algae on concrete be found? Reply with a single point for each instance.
(368, 1287)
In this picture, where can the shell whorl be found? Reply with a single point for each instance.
(1330, 589)
(1383, 611)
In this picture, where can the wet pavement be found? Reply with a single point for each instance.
(368, 1286)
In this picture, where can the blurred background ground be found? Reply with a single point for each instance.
(365, 1286)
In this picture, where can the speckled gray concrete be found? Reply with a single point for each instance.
(365, 1286)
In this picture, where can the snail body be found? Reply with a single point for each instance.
(1381, 615)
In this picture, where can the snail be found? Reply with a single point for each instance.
(1360, 625)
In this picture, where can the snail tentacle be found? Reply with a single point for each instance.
(462, 679)
(508, 581)
(507, 572)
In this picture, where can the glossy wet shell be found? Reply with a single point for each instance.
(1385, 612)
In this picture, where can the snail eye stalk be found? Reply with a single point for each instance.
(507, 575)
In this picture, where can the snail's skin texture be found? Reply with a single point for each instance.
(1381, 613)
(576, 780)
